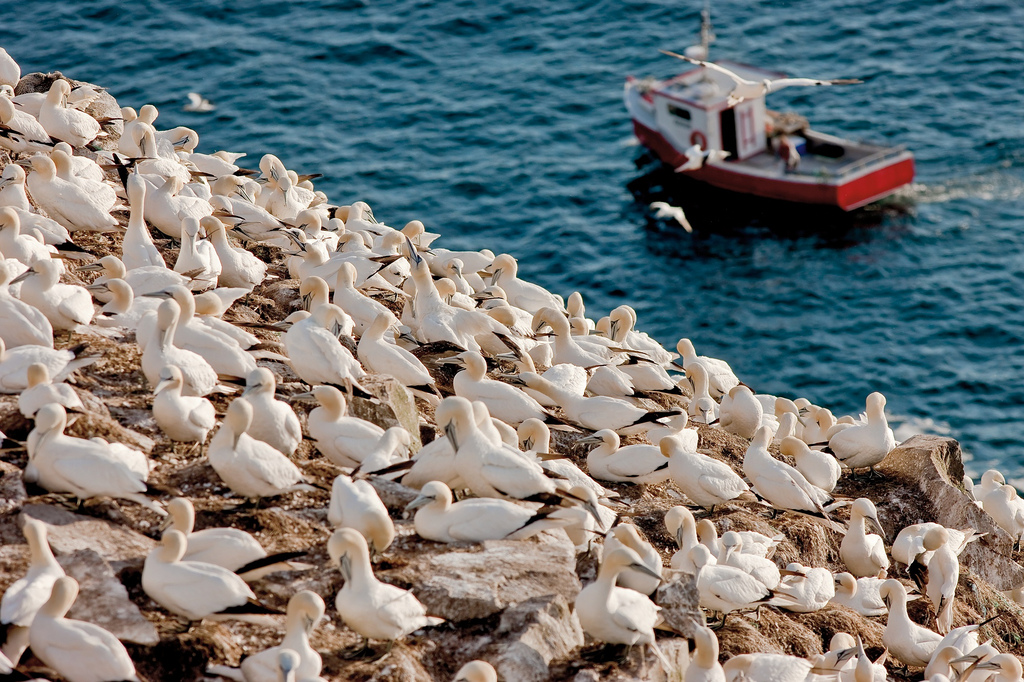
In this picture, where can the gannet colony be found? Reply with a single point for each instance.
(255, 435)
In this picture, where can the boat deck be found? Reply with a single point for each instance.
(821, 160)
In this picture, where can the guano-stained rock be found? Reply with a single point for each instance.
(103, 600)
(534, 633)
(69, 532)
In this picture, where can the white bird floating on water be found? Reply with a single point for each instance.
(199, 104)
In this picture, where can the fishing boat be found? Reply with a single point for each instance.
(770, 154)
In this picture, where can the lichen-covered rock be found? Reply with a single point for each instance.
(532, 634)
(680, 604)
(396, 407)
(103, 600)
(104, 108)
(69, 532)
(12, 489)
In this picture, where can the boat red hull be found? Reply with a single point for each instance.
(849, 195)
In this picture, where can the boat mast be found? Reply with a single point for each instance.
(707, 35)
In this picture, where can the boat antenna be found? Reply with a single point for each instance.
(707, 35)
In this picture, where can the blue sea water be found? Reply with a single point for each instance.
(501, 125)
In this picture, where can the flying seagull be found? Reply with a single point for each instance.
(663, 210)
(745, 89)
(696, 157)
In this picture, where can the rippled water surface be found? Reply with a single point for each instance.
(501, 125)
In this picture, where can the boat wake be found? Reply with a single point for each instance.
(994, 185)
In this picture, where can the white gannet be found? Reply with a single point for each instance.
(862, 552)
(316, 354)
(806, 589)
(943, 576)
(66, 306)
(392, 448)
(239, 268)
(865, 445)
(10, 71)
(435, 320)
(779, 483)
(704, 665)
(361, 308)
(199, 376)
(305, 610)
(773, 667)
(228, 548)
(1006, 667)
(148, 279)
(166, 209)
(745, 89)
(276, 423)
(535, 438)
(81, 166)
(675, 426)
(908, 546)
(75, 127)
(344, 440)
(600, 412)
(644, 582)
(76, 650)
(476, 671)
(753, 542)
(124, 309)
(15, 243)
(197, 257)
(371, 608)
(764, 570)
(15, 363)
(356, 504)
(697, 157)
(63, 201)
(706, 481)
(84, 468)
(187, 419)
(990, 480)
(65, 164)
(724, 589)
(789, 425)
(200, 104)
(740, 412)
(475, 520)
(381, 357)
(503, 401)
(12, 191)
(721, 378)
(137, 248)
(42, 391)
(195, 589)
(23, 599)
(819, 468)
(907, 641)
(20, 323)
(1005, 508)
(632, 464)
(250, 467)
(681, 526)
(522, 294)
(20, 132)
(702, 408)
(617, 615)
(859, 594)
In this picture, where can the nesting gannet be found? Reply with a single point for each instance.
(137, 248)
(740, 412)
(228, 548)
(15, 363)
(706, 481)
(42, 391)
(75, 127)
(12, 191)
(626, 535)
(618, 615)
(250, 467)
(382, 357)
(14, 243)
(392, 448)
(990, 480)
(65, 202)
(767, 667)
(526, 295)
(1005, 508)
(66, 306)
(859, 594)
(908, 547)
(757, 566)
(504, 401)
(675, 426)
(10, 71)
(84, 468)
(535, 438)
(805, 589)
(200, 378)
(23, 599)
(239, 268)
(20, 323)
(865, 445)
(586, 521)
(476, 671)
(745, 89)
(819, 468)
(20, 132)
(721, 378)
(788, 427)
(356, 504)
(907, 641)
(632, 464)
(681, 526)
(864, 553)
(724, 589)
(943, 576)
(363, 309)
(124, 309)
(779, 483)
(143, 280)
(76, 650)
(702, 407)
(475, 520)
(371, 608)
(197, 256)
(195, 589)
(704, 665)
(166, 209)
(344, 440)
(316, 354)
(599, 412)
(186, 419)
(1006, 667)
(277, 424)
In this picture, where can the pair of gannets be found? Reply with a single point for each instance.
(355, 504)
(66, 306)
(42, 391)
(631, 464)
(865, 445)
(503, 401)
(23, 599)
(783, 486)
(704, 480)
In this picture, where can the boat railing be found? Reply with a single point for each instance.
(870, 159)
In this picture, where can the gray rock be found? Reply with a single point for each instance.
(12, 489)
(534, 633)
(104, 107)
(103, 600)
(397, 407)
(467, 582)
(394, 495)
(932, 469)
(70, 532)
(679, 604)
